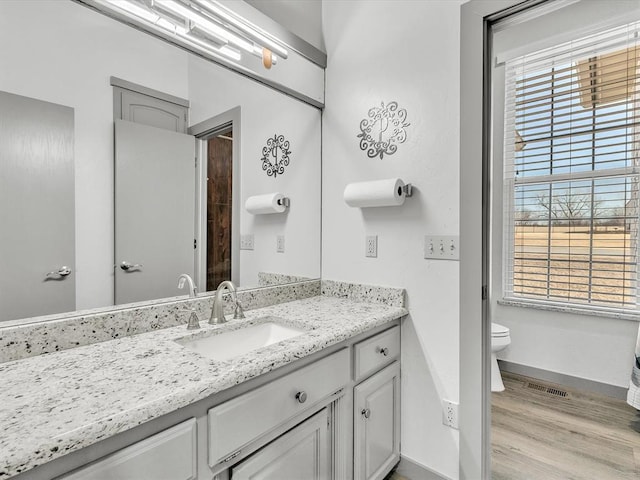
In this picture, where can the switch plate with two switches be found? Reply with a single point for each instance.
(442, 247)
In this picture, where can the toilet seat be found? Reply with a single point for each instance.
(499, 331)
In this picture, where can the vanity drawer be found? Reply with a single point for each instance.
(375, 352)
(245, 418)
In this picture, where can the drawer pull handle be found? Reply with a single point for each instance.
(366, 413)
(301, 397)
(383, 350)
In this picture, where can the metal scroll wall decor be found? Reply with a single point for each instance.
(275, 155)
(383, 130)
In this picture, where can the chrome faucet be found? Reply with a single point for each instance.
(192, 287)
(217, 312)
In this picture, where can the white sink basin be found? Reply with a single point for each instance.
(243, 340)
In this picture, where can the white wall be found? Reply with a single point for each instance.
(408, 52)
(589, 347)
(301, 17)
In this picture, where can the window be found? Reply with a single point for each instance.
(572, 142)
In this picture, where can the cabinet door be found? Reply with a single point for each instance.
(168, 455)
(301, 453)
(377, 424)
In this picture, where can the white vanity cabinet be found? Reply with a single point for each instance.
(376, 405)
(332, 415)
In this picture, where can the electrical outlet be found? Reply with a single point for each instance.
(246, 242)
(371, 246)
(450, 414)
(280, 244)
(442, 247)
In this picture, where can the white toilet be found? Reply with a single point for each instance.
(500, 339)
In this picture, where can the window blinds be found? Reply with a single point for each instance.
(572, 148)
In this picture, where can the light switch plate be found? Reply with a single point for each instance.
(371, 246)
(442, 247)
(280, 244)
(246, 242)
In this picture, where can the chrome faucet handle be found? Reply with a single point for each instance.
(239, 312)
(194, 322)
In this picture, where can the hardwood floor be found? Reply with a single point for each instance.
(394, 476)
(537, 435)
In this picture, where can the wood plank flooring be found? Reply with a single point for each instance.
(540, 436)
(394, 476)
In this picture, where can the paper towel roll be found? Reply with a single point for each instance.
(379, 193)
(267, 203)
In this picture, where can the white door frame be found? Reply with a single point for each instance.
(475, 129)
(203, 131)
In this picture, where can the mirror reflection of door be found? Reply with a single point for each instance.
(37, 208)
(155, 179)
(154, 211)
(219, 202)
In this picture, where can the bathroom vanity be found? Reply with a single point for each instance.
(323, 404)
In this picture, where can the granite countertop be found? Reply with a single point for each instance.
(56, 403)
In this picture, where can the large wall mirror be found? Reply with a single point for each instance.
(61, 64)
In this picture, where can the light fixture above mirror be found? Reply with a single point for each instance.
(204, 26)
(230, 33)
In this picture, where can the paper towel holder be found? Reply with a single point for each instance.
(389, 192)
(268, 203)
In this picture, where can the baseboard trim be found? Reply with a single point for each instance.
(412, 470)
(563, 379)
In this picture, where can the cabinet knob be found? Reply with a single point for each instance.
(301, 397)
(366, 413)
(383, 350)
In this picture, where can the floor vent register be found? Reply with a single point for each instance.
(546, 389)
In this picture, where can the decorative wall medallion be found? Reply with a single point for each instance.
(381, 133)
(275, 155)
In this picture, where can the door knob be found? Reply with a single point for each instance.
(59, 274)
(126, 266)
(366, 413)
(301, 397)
